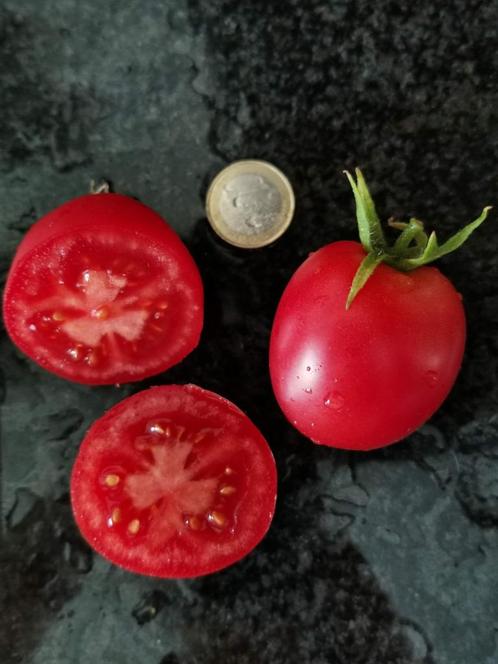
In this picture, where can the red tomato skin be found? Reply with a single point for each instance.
(118, 215)
(369, 376)
(169, 564)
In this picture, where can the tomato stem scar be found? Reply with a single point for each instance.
(102, 188)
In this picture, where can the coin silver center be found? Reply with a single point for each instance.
(250, 204)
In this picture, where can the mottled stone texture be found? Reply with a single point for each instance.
(385, 558)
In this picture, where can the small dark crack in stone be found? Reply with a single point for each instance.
(149, 606)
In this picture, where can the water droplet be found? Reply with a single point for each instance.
(334, 400)
(431, 378)
(74, 353)
(308, 390)
(308, 368)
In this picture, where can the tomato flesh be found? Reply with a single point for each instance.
(174, 482)
(98, 306)
(368, 376)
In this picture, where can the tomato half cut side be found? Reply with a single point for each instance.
(174, 482)
(102, 291)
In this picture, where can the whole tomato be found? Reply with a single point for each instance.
(367, 341)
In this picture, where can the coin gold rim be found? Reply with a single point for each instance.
(277, 179)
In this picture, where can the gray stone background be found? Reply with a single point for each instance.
(382, 558)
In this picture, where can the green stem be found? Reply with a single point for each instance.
(411, 250)
(412, 231)
(369, 226)
(363, 274)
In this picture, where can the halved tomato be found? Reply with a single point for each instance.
(102, 291)
(174, 482)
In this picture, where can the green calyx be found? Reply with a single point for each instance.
(412, 249)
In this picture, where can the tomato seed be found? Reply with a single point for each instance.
(227, 490)
(217, 519)
(155, 428)
(58, 316)
(134, 526)
(228, 470)
(111, 480)
(116, 515)
(162, 305)
(102, 313)
(194, 522)
(91, 359)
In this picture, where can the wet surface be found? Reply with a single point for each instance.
(389, 557)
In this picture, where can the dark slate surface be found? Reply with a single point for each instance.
(384, 558)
